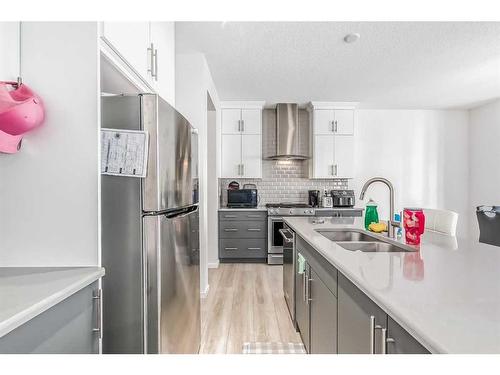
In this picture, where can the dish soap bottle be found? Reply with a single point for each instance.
(371, 213)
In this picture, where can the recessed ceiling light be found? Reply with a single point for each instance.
(351, 38)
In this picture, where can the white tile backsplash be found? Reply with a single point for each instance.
(283, 180)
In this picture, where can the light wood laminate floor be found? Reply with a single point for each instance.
(245, 303)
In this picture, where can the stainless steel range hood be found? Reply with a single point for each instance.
(287, 133)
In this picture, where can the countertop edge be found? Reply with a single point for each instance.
(36, 309)
(425, 341)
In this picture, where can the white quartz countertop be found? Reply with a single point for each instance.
(258, 208)
(263, 208)
(26, 292)
(446, 294)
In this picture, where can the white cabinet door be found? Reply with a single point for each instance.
(231, 155)
(251, 155)
(163, 39)
(131, 41)
(323, 121)
(344, 156)
(323, 157)
(252, 121)
(344, 121)
(231, 121)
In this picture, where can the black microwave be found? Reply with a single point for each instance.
(242, 198)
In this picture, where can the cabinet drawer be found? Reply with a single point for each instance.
(242, 229)
(242, 215)
(242, 248)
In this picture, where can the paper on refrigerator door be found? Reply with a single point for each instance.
(124, 152)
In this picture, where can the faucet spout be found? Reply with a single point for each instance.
(391, 224)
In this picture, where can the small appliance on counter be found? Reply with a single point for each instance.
(242, 198)
(326, 200)
(343, 198)
(233, 185)
(314, 198)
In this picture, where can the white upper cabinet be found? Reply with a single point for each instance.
(163, 43)
(251, 156)
(344, 122)
(323, 121)
(231, 121)
(241, 139)
(251, 121)
(148, 49)
(131, 41)
(343, 166)
(332, 140)
(231, 155)
(323, 157)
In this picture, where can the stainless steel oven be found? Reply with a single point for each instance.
(275, 224)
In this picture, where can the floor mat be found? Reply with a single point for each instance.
(273, 348)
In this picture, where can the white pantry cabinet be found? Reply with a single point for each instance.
(148, 48)
(241, 140)
(332, 140)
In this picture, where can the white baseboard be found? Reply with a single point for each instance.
(213, 264)
(204, 294)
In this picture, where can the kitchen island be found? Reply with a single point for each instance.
(445, 294)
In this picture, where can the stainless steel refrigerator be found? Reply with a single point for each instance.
(150, 236)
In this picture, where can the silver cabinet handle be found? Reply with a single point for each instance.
(96, 296)
(332, 170)
(242, 126)
(230, 248)
(230, 230)
(373, 327)
(253, 229)
(386, 340)
(254, 248)
(155, 76)
(335, 169)
(151, 60)
(242, 169)
(239, 169)
(229, 216)
(239, 125)
(254, 216)
(304, 286)
(335, 127)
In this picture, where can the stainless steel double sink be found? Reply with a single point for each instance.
(358, 240)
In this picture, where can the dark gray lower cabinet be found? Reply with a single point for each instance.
(399, 341)
(302, 312)
(66, 328)
(323, 317)
(360, 321)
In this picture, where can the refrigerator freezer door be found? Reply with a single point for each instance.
(180, 325)
(168, 184)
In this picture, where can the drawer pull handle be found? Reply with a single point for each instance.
(229, 216)
(253, 229)
(230, 248)
(254, 248)
(254, 216)
(230, 230)
(97, 297)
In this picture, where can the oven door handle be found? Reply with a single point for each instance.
(284, 233)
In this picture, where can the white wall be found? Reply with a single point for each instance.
(193, 81)
(484, 138)
(424, 153)
(9, 45)
(49, 190)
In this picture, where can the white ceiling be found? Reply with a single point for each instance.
(393, 65)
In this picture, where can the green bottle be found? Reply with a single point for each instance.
(371, 214)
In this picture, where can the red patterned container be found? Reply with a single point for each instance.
(414, 224)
